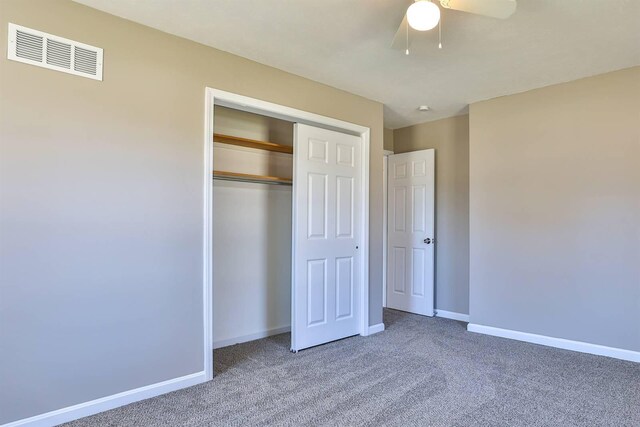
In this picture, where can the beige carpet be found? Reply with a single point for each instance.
(419, 372)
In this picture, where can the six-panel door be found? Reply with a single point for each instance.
(326, 236)
(410, 243)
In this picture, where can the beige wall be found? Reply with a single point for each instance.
(555, 211)
(253, 126)
(450, 138)
(101, 195)
(388, 139)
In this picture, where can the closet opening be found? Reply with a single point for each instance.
(252, 234)
(286, 226)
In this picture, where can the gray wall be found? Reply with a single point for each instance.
(555, 211)
(450, 138)
(101, 205)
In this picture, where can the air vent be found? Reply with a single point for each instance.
(56, 53)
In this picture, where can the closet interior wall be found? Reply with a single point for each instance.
(251, 231)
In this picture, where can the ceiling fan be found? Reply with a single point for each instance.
(424, 15)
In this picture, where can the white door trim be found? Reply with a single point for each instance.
(385, 168)
(218, 97)
(207, 237)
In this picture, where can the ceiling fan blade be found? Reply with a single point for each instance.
(400, 39)
(501, 9)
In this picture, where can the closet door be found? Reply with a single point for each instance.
(327, 207)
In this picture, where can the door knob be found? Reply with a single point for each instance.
(429, 241)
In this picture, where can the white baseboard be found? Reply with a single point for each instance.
(452, 315)
(245, 338)
(376, 328)
(85, 409)
(580, 346)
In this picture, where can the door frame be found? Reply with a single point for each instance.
(385, 226)
(222, 98)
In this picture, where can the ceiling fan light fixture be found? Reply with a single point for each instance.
(423, 15)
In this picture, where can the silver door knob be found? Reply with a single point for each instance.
(428, 241)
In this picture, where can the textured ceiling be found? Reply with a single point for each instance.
(345, 44)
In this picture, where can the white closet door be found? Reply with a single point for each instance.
(410, 240)
(327, 207)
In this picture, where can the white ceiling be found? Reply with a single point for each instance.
(345, 44)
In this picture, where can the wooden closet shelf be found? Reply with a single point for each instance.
(252, 143)
(245, 177)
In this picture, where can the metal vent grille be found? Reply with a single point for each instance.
(29, 46)
(56, 53)
(85, 60)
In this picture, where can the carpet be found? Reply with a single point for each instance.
(419, 372)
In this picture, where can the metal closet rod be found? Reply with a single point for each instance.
(245, 177)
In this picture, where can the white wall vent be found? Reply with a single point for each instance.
(56, 53)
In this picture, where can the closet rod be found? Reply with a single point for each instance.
(245, 177)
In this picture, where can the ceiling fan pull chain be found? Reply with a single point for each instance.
(440, 33)
(406, 52)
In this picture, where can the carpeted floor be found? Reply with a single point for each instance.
(419, 372)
